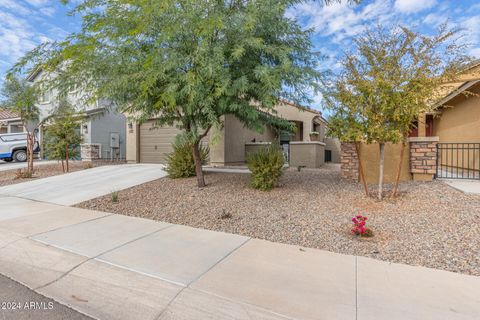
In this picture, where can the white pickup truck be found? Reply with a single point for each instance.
(13, 146)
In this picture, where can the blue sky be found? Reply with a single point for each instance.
(27, 23)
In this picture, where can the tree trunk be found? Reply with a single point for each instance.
(399, 170)
(63, 166)
(198, 164)
(381, 166)
(30, 143)
(66, 157)
(360, 168)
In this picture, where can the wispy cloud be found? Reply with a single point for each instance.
(413, 6)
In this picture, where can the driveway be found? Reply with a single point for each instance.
(79, 186)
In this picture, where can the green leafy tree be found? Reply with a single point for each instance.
(22, 97)
(186, 62)
(392, 77)
(62, 134)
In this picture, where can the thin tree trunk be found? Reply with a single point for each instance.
(360, 168)
(63, 166)
(381, 167)
(399, 170)
(66, 156)
(29, 152)
(198, 164)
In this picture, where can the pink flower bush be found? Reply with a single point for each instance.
(359, 226)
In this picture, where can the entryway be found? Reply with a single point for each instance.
(458, 161)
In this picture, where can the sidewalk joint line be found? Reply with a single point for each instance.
(356, 288)
(90, 258)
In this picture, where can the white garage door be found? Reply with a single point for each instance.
(156, 142)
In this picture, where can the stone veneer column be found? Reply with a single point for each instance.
(423, 157)
(349, 161)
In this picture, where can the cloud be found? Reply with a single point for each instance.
(48, 11)
(15, 6)
(38, 3)
(413, 6)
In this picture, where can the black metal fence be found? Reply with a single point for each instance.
(458, 160)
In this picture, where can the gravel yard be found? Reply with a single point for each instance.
(45, 170)
(431, 225)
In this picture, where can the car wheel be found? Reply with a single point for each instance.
(8, 159)
(20, 155)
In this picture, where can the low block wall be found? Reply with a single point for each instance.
(349, 161)
(90, 151)
(423, 157)
(310, 154)
(254, 147)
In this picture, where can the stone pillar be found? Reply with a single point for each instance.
(349, 162)
(423, 157)
(90, 151)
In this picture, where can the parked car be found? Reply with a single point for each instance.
(13, 146)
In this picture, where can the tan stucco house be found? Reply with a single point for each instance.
(445, 144)
(147, 143)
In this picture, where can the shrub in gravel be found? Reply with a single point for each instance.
(266, 166)
(360, 228)
(180, 162)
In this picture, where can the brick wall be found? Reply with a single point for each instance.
(349, 161)
(423, 156)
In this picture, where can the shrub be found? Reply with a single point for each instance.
(180, 162)
(20, 174)
(114, 197)
(360, 228)
(266, 166)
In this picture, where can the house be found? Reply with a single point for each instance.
(147, 143)
(103, 131)
(445, 144)
(10, 122)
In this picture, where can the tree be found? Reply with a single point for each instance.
(186, 62)
(22, 97)
(62, 135)
(392, 77)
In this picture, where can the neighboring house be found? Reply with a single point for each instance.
(149, 144)
(445, 144)
(103, 130)
(10, 122)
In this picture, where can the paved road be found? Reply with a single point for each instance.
(78, 186)
(4, 166)
(20, 303)
(118, 267)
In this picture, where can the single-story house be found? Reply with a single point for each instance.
(10, 122)
(147, 143)
(103, 130)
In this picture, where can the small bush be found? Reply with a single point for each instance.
(88, 165)
(180, 162)
(114, 196)
(266, 166)
(20, 174)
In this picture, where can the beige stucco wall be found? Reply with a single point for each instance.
(308, 153)
(132, 143)
(459, 123)
(370, 158)
(333, 144)
(293, 113)
(228, 146)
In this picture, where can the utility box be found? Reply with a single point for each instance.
(114, 140)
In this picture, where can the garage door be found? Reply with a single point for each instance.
(156, 142)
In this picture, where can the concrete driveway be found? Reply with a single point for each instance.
(118, 267)
(79, 186)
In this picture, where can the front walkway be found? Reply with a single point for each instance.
(117, 267)
(466, 186)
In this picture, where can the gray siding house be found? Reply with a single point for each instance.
(103, 131)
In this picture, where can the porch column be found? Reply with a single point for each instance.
(423, 157)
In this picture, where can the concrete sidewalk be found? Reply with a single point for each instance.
(466, 186)
(117, 267)
(79, 186)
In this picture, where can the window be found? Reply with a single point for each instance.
(45, 94)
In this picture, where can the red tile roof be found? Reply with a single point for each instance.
(7, 114)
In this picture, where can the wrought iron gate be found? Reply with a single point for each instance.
(458, 160)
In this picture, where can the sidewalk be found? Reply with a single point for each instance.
(111, 266)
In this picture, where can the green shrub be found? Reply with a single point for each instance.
(266, 166)
(180, 162)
